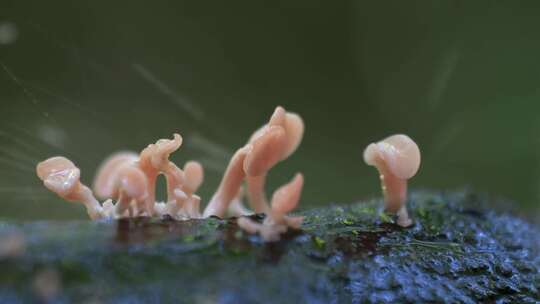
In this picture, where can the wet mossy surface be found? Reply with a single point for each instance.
(457, 251)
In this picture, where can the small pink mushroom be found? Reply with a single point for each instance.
(397, 158)
(154, 160)
(62, 177)
(184, 202)
(131, 179)
(194, 176)
(284, 200)
(132, 189)
(120, 178)
(267, 146)
(293, 129)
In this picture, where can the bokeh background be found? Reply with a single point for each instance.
(86, 78)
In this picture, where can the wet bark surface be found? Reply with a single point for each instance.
(457, 251)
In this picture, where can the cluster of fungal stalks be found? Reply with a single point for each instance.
(127, 181)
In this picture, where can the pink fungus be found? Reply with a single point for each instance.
(397, 158)
(128, 181)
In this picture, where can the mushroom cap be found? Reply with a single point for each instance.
(294, 128)
(293, 125)
(264, 151)
(194, 175)
(106, 180)
(59, 175)
(286, 198)
(398, 153)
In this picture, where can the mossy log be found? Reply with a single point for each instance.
(459, 250)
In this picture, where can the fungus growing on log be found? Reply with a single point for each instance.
(130, 180)
(293, 128)
(397, 158)
(272, 143)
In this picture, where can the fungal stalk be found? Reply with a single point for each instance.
(397, 158)
(153, 161)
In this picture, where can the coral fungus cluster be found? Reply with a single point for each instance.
(127, 180)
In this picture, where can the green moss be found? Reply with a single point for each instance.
(385, 218)
(318, 242)
(347, 222)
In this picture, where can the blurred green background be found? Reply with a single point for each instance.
(86, 78)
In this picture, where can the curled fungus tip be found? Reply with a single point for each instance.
(168, 146)
(163, 148)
